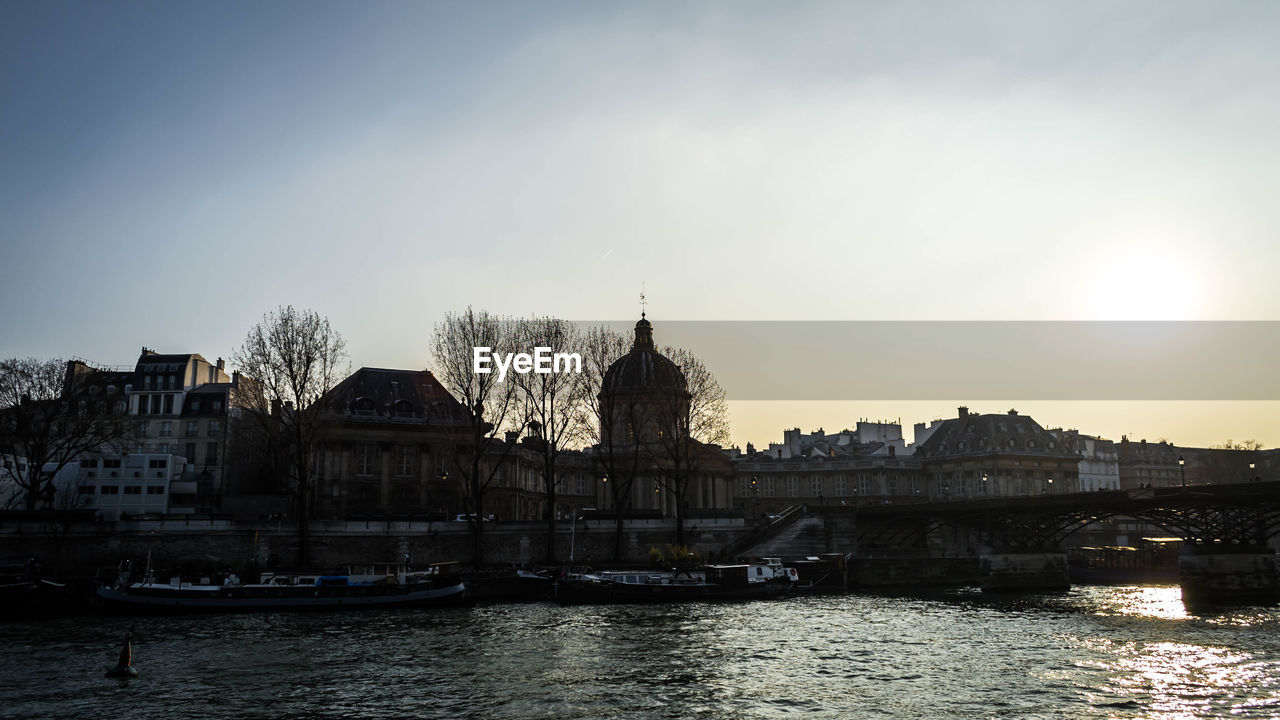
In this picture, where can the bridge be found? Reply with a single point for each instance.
(1226, 529)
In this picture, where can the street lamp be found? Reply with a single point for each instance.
(984, 484)
(604, 487)
(1050, 484)
(1253, 466)
(1182, 470)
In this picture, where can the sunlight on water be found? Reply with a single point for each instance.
(1153, 602)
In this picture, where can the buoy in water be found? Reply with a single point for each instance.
(124, 666)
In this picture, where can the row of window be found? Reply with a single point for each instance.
(193, 428)
(128, 489)
(164, 404)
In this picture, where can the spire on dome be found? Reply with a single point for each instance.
(644, 334)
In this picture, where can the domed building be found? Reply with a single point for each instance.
(640, 389)
(645, 443)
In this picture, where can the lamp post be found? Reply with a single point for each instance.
(1182, 470)
(755, 495)
(1252, 467)
(604, 489)
(984, 485)
(657, 495)
(444, 480)
(1050, 484)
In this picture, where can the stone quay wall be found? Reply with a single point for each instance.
(215, 545)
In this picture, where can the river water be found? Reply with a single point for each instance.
(1092, 652)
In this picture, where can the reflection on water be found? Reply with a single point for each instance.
(1092, 652)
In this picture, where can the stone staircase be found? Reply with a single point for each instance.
(806, 536)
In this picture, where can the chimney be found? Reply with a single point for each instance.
(512, 436)
(222, 366)
(1012, 411)
(963, 411)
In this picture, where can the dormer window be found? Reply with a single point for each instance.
(364, 406)
(404, 409)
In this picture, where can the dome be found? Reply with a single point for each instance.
(644, 368)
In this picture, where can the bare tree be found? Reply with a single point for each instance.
(48, 419)
(689, 425)
(552, 405)
(490, 403)
(616, 455)
(1230, 462)
(294, 357)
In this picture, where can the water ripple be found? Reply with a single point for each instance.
(1092, 652)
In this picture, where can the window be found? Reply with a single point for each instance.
(169, 382)
(142, 404)
(364, 459)
(146, 383)
(404, 409)
(168, 404)
(195, 406)
(89, 463)
(791, 487)
(864, 485)
(581, 484)
(211, 454)
(155, 404)
(155, 489)
(85, 489)
(132, 489)
(191, 452)
(193, 428)
(404, 460)
(815, 486)
(166, 429)
(110, 489)
(158, 463)
(215, 428)
(217, 405)
(364, 406)
(110, 463)
(841, 487)
(140, 430)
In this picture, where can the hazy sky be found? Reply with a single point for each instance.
(170, 171)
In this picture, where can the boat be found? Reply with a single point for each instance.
(385, 585)
(709, 583)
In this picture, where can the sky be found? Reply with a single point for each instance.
(172, 171)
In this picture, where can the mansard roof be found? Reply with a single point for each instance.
(987, 434)
(400, 395)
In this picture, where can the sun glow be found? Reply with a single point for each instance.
(1143, 283)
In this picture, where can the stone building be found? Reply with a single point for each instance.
(390, 444)
(865, 473)
(646, 443)
(1099, 459)
(1144, 464)
(386, 446)
(178, 407)
(985, 455)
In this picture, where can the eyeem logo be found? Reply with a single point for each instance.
(541, 362)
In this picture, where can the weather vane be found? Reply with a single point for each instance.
(642, 300)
